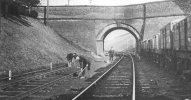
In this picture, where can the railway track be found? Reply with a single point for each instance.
(25, 87)
(29, 74)
(117, 83)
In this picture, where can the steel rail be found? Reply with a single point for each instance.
(27, 73)
(133, 94)
(77, 96)
(8, 84)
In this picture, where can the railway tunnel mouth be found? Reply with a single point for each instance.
(109, 30)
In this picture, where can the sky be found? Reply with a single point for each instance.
(96, 2)
(120, 40)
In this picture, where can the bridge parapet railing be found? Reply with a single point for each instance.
(158, 9)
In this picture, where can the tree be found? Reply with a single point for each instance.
(30, 3)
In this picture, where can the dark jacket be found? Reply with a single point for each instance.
(69, 57)
(84, 61)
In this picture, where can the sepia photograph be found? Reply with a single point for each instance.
(95, 49)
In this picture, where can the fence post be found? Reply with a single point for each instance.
(50, 65)
(10, 74)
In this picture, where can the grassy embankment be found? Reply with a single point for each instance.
(26, 44)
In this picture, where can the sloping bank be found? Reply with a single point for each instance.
(26, 44)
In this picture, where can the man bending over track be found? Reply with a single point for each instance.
(84, 65)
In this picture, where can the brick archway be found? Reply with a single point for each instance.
(111, 27)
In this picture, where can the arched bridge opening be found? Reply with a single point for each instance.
(111, 27)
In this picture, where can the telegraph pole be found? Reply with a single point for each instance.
(47, 12)
(68, 2)
(44, 15)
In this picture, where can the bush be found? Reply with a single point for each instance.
(14, 9)
(33, 14)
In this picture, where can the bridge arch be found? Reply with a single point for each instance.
(111, 27)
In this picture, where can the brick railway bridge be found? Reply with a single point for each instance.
(88, 26)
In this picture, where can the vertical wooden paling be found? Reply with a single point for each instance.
(185, 28)
(179, 36)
